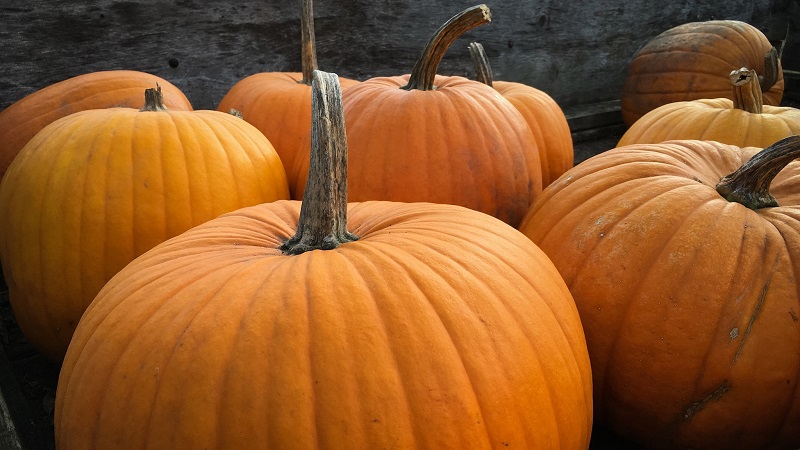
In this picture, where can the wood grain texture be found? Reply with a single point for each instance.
(575, 51)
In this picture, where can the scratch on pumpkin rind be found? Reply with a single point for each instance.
(753, 317)
(697, 406)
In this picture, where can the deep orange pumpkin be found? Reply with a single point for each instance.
(433, 326)
(543, 115)
(687, 289)
(692, 61)
(105, 89)
(277, 102)
(97, 188)
(424, 137)
(744, 121)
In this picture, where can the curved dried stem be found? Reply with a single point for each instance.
(483, 70)
(424, 71)
(749, 185)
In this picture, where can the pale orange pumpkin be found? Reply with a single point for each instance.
(104, 89)
(93, 190)
(425, 326)
(744, 121)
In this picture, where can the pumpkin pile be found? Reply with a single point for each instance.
(413, 261)
(274, 326)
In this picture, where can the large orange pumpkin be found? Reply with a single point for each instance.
(542, 114)
(692, 61)
(424, 137)
(686, 282)
(97, 188)
(105, 89)
(744, 121)
(427, 326)
(277, 102)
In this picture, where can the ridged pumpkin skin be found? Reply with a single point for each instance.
(460, 144)
(714, 120)
(547, 122)
(105, 89)
(439, 328)
(276, 103)
(690, 302)
(95, 189)
(692, 61)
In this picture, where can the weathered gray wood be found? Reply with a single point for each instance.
(17, 429)
(575, 51)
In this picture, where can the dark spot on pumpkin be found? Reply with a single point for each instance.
(173, 62)
(793, 315)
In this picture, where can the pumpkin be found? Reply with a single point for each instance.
(277, 102)
(692, 61)
(542, 114)
(105, 89)
(683, 259)
(330, 324)
(93, 190)
(421, 137)
(744, 121)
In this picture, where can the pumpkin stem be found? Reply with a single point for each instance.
(746, 91)
(153, 99)
(749, 185)
(771, 70)
(308, 41)
(323, 213)
(424, 71)
(482, 67)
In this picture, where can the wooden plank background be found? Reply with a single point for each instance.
(577, 51)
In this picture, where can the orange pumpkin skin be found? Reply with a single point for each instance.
(105, 89)
(714, 120)
(276, 103)
(460, 144)
(439, 328)
(689, 302)
(95, 189)
(692, 61)
(548, 124)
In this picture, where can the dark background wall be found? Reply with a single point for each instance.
(576, 51)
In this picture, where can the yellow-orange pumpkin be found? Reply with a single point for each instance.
(744, 121)
(93, 190)
(104, 89)
(277, 102)
(433, 326)
(686, 283)
(692, 61)
(431, 138)
(543, 115)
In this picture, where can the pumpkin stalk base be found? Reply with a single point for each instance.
(323, 214)
(153, 100)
